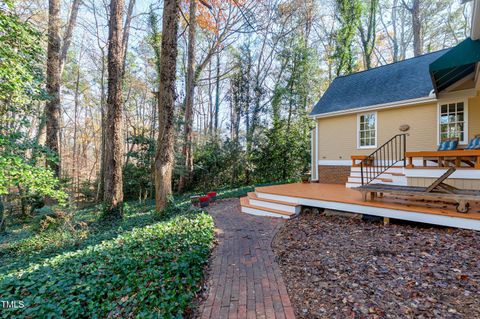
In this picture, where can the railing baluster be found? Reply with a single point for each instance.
(386, 156)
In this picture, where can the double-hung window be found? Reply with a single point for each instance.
(453, 121)
(367, 130)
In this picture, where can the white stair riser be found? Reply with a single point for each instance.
(258, 212)
(390, 170)
(387, 174)
(281, 207)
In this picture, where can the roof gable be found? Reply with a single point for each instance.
(404, 80)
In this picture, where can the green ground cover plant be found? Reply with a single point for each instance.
(143, 266)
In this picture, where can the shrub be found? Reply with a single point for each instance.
(149, 271)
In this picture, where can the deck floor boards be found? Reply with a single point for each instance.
(341, 194)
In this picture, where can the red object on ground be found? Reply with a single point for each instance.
(203, 199)
(212, 194)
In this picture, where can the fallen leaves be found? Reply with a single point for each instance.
(337, 267)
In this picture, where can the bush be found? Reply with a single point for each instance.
(154, 270)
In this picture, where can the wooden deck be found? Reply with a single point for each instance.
(339, 197)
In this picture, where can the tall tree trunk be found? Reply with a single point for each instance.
(210, 100)
(67, 38)
(416, 26)
(126, 31)
(164, 158)
(52, 109)
(75, 175)
(63, 56)
(368, 33)
(217, 94)
(101, 178)
(417, 29)
(189, 98)
(113, 184)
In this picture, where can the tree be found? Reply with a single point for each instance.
(52, 111)
(367, 29)
(113, 183)
(189, 96)
(166, 102)
(21, 80)
(349, 12)
(417, 28)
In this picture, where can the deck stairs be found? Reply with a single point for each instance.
(254, 204)
(393, 176)
(384, 166)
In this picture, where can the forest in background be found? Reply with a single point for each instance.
(83, 104)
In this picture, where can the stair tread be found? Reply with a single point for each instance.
(254, 196)
(246, 203)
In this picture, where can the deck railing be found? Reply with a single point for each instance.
(384, 157)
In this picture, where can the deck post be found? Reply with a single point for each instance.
(410, 162)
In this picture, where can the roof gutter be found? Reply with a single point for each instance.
(475, 32)
(421, 100)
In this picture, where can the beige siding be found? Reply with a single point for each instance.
(457, 182)
(473, 116)
(338, 135)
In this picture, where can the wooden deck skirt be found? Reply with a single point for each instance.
(338, 197)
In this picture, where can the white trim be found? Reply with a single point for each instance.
(435, 219)
(335, 162)
(312, 160)
(281, 207)
(317, 125)
(465, 118)
(258, 212)
(437, 172)
(358, 131)
(381, 106)
(477, 76)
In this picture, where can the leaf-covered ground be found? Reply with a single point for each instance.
(144, 266)
(338, 267)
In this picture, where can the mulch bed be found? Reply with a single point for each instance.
(340, 267)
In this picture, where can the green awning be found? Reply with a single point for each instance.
(454, 65)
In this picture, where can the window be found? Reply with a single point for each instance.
(453, 121)
(367, 130)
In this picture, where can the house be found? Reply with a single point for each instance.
(429, 98)
(384, 125)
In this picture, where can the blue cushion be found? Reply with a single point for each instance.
(474, 144)
(448, 145)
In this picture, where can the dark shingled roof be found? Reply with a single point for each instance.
(404, 80)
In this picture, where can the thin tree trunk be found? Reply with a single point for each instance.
(67, 38)
(126, 31)
(189, 98)
(164, 158)
(217, 94)
(101, 178)
(113, 193)
(52, 110)
(75, 131)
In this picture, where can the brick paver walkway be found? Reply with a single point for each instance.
(244, 280)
